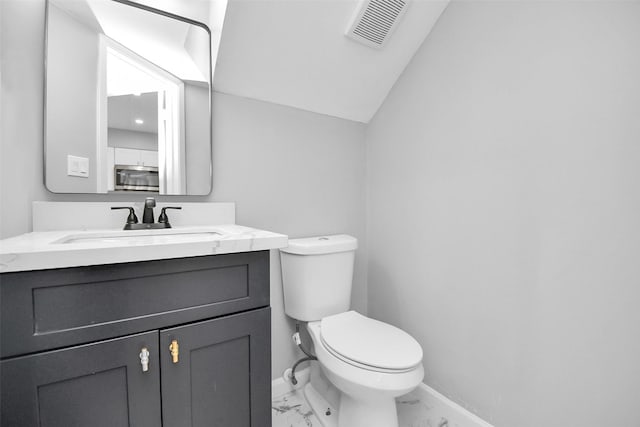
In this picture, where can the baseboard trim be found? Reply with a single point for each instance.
(440, 406)
(280, 387)
(455, 414)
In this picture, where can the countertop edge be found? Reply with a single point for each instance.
(47, 257)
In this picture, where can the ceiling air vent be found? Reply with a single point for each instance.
(375, 20)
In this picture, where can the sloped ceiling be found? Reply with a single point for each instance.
(295, 53)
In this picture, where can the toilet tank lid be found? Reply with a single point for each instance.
(321, 245)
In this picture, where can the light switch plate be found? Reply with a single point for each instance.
(78, 166)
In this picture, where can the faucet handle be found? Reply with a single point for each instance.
(132, 218)
(163, 218)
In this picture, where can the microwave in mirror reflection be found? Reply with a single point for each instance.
(136, 178)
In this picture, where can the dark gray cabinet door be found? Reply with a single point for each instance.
(97, 385)
(222, 377)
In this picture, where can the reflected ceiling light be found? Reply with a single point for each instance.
(139, 121)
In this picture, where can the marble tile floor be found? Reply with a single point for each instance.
(291, 410)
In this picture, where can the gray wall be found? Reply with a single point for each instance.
(22, 50)
(72, 97)
(287, 170)
(123, 138)
(504, 199)
(294, 172)
(197, 137)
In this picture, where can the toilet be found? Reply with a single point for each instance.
(369, 363)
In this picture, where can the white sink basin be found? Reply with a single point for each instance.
(140, 237)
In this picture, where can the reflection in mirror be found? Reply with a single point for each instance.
(127, 102)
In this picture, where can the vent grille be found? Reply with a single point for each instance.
(375, 20)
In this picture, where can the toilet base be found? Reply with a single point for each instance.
(372, 413)
(352, 412)
(323, 410)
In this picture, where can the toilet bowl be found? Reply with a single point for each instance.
(369, 362)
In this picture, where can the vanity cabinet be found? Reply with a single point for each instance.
(72, 340)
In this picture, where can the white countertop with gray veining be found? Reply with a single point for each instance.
(72, 248)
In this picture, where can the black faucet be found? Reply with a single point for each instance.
(147, 216)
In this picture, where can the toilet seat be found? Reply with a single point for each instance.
(369, 344)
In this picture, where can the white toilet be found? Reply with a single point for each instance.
(368, 361)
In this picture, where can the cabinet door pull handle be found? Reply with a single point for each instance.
(144, 359)
(175, 350)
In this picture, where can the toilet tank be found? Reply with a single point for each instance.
(316, 276)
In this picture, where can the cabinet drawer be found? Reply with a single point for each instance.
(57, 308)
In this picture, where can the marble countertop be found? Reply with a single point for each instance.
(72, 248)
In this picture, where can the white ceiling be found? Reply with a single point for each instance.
(162, 41)
(295, 53)
(173, 45)
(208, 12)
(123, 111)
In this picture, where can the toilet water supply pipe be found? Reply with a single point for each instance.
(310, 357)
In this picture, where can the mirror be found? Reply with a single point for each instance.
(127, 99)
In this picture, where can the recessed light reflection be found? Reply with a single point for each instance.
(139, 121)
